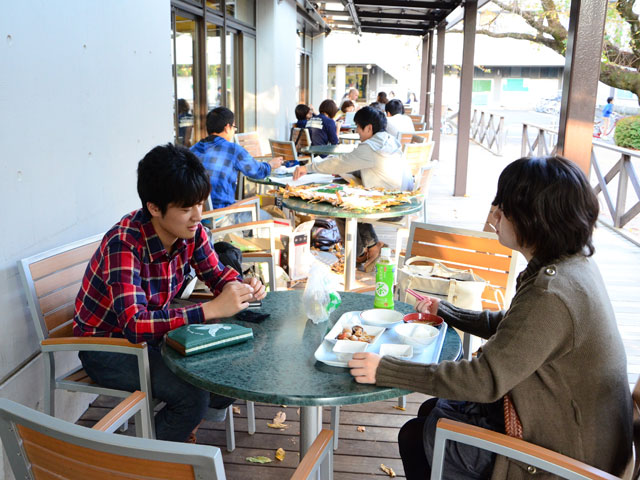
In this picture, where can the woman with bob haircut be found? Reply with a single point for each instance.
(556, 353)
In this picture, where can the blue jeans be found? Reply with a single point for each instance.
(417, 437)
(186, 405)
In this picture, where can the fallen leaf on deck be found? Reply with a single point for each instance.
(400, 408)
(280, 454)
(361, 428)
(388, 470)
(279, 426)
(236, 410)
(298, 412)
(280, 417)
(259, 459)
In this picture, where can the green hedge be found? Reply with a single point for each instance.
(627, 132)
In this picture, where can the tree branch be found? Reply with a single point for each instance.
(625, 9)
(620, 77)
(547, 42)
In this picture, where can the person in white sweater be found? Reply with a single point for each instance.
(397, 121)
(380, 163)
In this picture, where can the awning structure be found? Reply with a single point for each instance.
(396, 17)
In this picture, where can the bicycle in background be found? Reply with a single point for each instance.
(600, 127)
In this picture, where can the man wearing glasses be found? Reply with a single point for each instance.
(223, 159)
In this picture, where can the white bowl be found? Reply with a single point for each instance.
(395, 350)
(417, 335)
(382, 317)
(344, 349)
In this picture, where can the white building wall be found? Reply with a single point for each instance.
(86, 91)
(276, 45)
(318, 78)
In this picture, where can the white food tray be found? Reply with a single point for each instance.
(431, 354)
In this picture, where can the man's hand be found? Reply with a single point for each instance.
(363, 367)
(259, 291)
(299, 172)
(275, 162)
(428, 305)
(233, 298)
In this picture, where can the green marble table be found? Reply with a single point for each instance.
(330, 149)
(351, 225)
(278, 366)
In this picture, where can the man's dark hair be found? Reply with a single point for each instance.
(609, 99)
(218, 118)
(329, 108)
(171, 174)
(301, 111)
(382, 98)
(371, 116)
(346, 104)
(394, 107)
(551, 205)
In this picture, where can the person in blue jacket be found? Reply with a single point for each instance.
(322, 128)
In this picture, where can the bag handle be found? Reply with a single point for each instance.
(440, 264)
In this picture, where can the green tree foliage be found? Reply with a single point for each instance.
(548, 22)
(628, 132)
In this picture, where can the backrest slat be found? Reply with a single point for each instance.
(461, 258)
(480, 243)
(59, 298)
(59, 279)
(54, 457)
(250, 142)
(63, 260)
(283, 149)
(60, 316)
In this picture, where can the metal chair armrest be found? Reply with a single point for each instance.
(322, 446)
(126, 409)
(105, 344)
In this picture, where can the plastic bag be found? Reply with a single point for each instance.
(320, 296)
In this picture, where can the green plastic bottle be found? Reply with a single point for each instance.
(385, 274)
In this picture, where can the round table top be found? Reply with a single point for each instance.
(330, 149)
(278, 366)
(327, 210)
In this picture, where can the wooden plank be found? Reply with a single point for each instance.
(460, 258)
(63, 260)
(58, 298)
(65, 330)
(59, 279)
(479, 244)
(59, 317)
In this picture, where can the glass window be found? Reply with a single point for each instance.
(243, 10)
(231, 67)
(213, 4)
(183, 38)
(214, 67)
(249, 71)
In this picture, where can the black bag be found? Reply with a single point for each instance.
(229, 255)
(325, 234)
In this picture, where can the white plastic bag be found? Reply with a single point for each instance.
(320, 296)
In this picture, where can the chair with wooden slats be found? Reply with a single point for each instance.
(52, 280)
(417, 155)
(468, 249)
(250, 141)
(410, 137)
(419, 126)
(40, 446)
(535, 457)
(301, 138)
(286, 150)
(416, 118)
(426, 134)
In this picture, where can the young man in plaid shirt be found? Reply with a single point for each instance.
(223, 159)
(137, 271)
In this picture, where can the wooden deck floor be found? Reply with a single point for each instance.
(359, 454)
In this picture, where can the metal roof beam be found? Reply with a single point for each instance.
(393, 32)
(406, 4)
(394, 16)
(351, 8)
(422, 27)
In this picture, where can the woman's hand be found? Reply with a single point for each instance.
(299, 171)
(259, 291)
(363, 367)
(428, 305)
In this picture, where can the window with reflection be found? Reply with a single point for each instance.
(249, 80)
(243, 10)
(213, 4)
(231, 48)
(214, 67)
(183, 53)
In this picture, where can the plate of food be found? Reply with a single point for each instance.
(381, 317)
(350, 327)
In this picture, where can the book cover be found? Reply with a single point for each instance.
(197, 338)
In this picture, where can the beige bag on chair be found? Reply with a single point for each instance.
(462, 288)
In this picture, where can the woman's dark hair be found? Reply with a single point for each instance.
(218, 118)
(171, 174)
(394, 107)
(346, 104)
(301, 111)
(382, 97)
(183, 106)
(551, 205)
(371, 116)
(329, 108)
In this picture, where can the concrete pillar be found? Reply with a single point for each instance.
(580, 82)
(341, 83)
(437, 97)
(318, 78)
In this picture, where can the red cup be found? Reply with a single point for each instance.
(426, 318)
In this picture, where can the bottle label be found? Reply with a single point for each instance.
(382, 289)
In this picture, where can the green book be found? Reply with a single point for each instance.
(198, 338)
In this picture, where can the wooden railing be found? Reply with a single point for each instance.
(544, 142)
(487, 130)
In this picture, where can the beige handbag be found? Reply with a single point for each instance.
(462, 288)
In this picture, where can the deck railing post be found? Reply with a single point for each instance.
(621, 198)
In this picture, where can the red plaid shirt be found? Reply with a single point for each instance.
(131, 279)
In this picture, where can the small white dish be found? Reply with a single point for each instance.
(344, 349)
(381, 317)
(395, 350)
(417, 335)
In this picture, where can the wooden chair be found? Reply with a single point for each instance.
(301, 138)
(410, 137)
(51, 281)
(286, 150)
(407, 109)
(418, 155)
(405, 137)
(419, 125)
(250, 141)
(417, 118)
(426, 134)
(469, 249)
(417, 139)
(533, 455)
(40, 446)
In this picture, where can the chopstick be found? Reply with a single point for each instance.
(416, 295)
